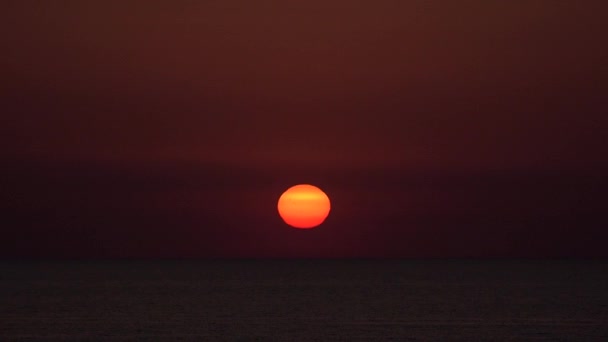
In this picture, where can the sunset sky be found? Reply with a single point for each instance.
(171, 128)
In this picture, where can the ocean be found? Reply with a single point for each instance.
(304, 300)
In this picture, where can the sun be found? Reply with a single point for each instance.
(303, 206)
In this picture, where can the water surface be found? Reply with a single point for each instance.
(286, 300)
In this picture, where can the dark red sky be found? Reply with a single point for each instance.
(155, 129)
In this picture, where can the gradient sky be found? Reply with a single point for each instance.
(170, 128)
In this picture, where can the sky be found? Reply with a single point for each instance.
(171, 128)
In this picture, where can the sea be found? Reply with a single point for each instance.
(304, 300)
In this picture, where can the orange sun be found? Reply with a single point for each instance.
(303, 206)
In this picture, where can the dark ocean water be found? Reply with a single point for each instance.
(304, 300)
